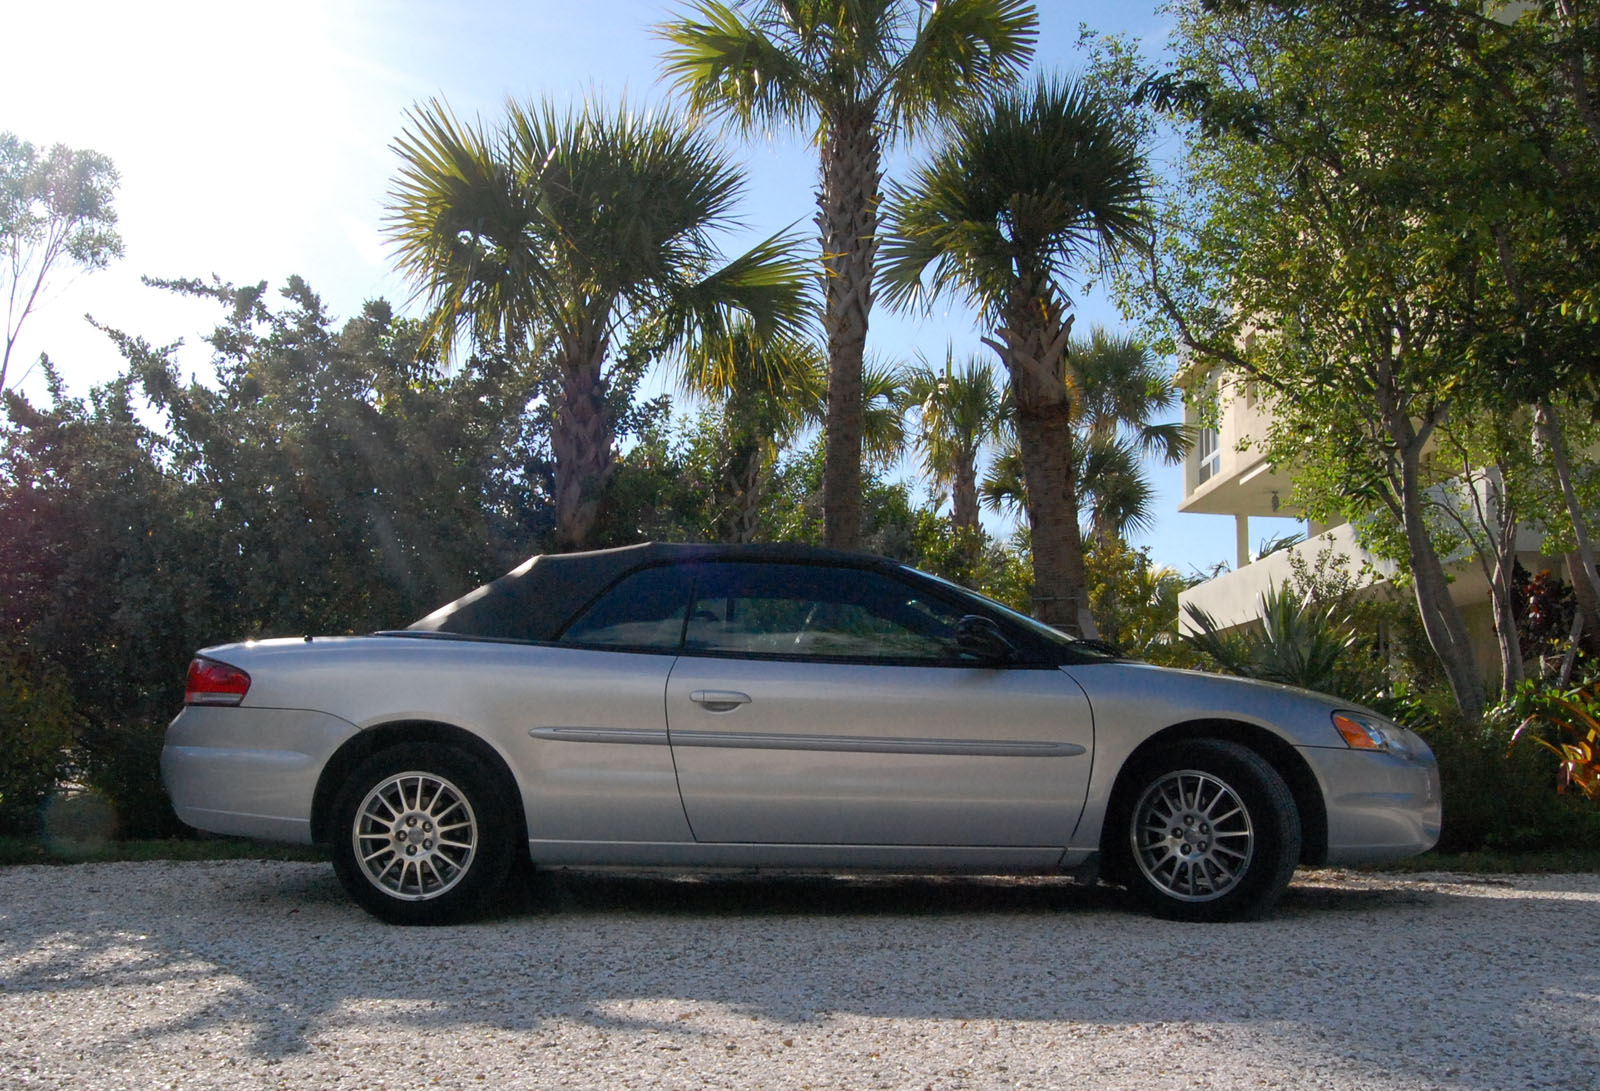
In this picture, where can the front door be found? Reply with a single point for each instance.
(814, 704)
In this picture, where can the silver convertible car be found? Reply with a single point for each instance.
(776, 706)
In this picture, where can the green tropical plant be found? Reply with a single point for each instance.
(1026, 189)
(577, 231)
(1299, 643)
(959, 412)
(858, 75)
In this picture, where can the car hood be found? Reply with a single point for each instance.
(1126, 691)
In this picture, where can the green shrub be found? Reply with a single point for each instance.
(125, 768)
(1496, 797)
(36, 735)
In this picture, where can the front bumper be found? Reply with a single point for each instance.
(1381, 805)
(250, 772)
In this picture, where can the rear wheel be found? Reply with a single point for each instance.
(1207, 831)
(422, 834)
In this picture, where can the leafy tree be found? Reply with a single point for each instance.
(1136, 602)
(959, 412)
(859, 75)
(1026, 187)
(278, 496)
(55, 209)
(1316, 253)
(311, 442)
(576, 231)
(105, 581)
(1516, 177)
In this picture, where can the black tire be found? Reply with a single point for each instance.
(436, 833)
(1205, 830)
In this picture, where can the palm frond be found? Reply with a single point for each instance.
(1003, 489)
(458, 219)
(742, 362)
(768, 286)
(883, 435)
(1038, 179)
(729, 66)
(964, 51)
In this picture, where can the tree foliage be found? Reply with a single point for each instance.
(1349, 217)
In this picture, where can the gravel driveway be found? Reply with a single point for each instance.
(252, 974)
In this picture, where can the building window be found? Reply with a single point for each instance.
(1210, 455)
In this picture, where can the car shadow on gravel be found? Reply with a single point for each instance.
(756, 893)
(750, 893)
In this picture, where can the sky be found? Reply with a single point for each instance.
(253, 143)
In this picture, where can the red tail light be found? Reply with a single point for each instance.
(213, 683)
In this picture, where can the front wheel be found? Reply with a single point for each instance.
(1207, 831)
(421, 834)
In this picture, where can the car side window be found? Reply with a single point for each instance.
(643, 610)
(817, 611)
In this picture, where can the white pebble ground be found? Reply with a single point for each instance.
(254, 974)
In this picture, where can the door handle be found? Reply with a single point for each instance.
(719, 700)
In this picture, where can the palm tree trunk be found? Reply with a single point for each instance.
(582, 439)
(847, 216)
(1060, 583)
(1033, 345)
(964, 494)
(743, 476)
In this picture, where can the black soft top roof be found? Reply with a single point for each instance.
(535, 599)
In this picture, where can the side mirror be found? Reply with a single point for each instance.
(980, 638)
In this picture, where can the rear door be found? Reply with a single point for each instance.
(824, 704)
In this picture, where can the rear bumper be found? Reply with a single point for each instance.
(1381, 806)
(250, 772)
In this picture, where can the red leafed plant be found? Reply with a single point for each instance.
(1566, 726)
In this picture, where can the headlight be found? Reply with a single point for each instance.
(1364, 731)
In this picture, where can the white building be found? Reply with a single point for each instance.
(1226, 473)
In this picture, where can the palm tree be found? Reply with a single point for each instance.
(1123, 387)
(858, 74)
(1026, 187)
(958, 413)
(1112, 487)
(767, 389)
(568, 233)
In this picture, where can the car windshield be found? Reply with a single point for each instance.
(1092, 648)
